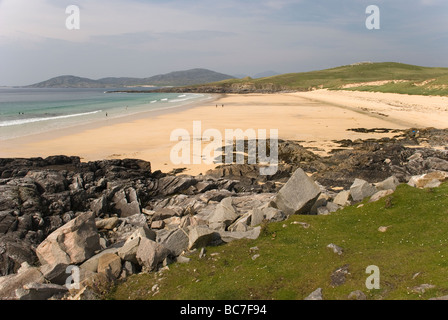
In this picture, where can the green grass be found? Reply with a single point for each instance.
(335, 78)
(294, 261)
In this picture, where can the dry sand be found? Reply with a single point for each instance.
(317, 118)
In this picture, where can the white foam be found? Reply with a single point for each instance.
(31, 120)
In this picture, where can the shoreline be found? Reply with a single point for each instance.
(316, 119)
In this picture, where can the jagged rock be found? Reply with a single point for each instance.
(99, 206)
(342, 198)
(380, 194)
(200, 236)
(73, 243)
(40, 291)
(10, 283)
(361, 189)
(224, 214)
(107, 224)
(126, 202)
(164, 213)
(315, 295)
(110, 264)
(420, 181)
(215, 195)
(332, 207)
(320, 202)
(256, 217)
(150, 254)
(13, 252)
(228, 236)
(175, 184)
(176, 241)
(298, 195)
(390, 183)
(160, 224)
(50, 181)
(55, 273)
(92, 263)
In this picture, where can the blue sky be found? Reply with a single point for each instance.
(138, 38)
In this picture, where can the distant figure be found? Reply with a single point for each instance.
(106, 114)
(222, 106)
(216, 106)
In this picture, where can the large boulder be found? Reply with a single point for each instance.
(223, 215)
(420, 181)
(9, 284)
(298, 195)
(150, 254)
(126, 202)
(73, 243)
(361, 189)
(200, 236)
(176, 241)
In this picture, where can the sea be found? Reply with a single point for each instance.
(28, 111)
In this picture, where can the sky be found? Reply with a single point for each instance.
(142, 38)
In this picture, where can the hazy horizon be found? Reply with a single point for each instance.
(138, 38)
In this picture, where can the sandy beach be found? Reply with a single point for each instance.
(315, 118)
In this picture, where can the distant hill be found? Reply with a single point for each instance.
(177, 78)
(366, 76)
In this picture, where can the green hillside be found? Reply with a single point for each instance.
(294, 261)
(409, 79)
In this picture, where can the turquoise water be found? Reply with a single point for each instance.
(26, 111)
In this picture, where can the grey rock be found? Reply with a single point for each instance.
(434, 183)
(126, 202)
(150, 254)
(224, 213)
(298, 195)
(92, 263)
(380, 194)
(357, 295)
(128, 252)
(342, 198)
(107, 224)
(390, 183)
(315, 295)
(335, 248)
(73, 243)
(200, 236)
(40, 291)
(228, 236)
(256, 217)
(10, 283)
(332, 207)
(176, 241)
(361, 189)
(175, 184)
(55, 273)
(320, 202)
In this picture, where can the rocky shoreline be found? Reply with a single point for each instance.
(88, 225)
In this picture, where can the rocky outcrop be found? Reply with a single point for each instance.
(72, 243)
(298, 194)
(109, 219)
